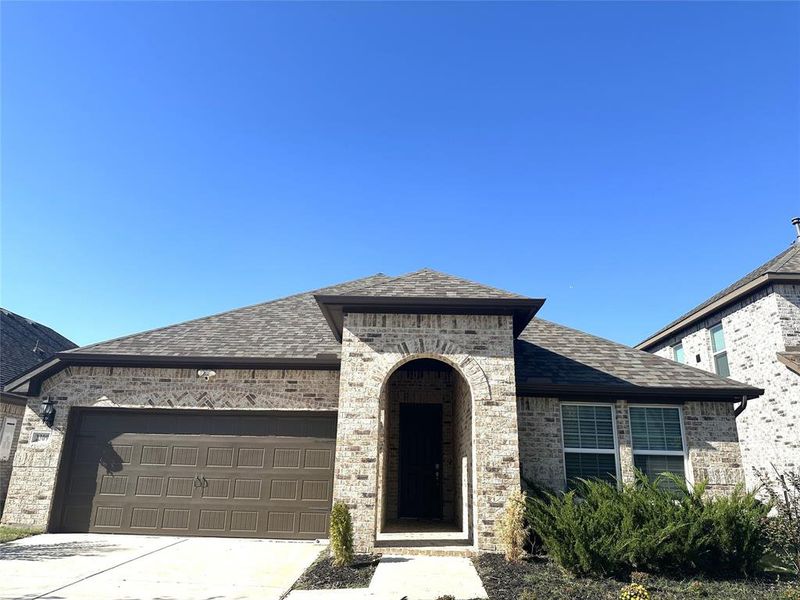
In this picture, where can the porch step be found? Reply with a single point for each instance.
(464, 551)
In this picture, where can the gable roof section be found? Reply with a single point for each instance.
(431, 292)
(553, 359)
(25, 343)
(287, 328)
(784, 267)
(427, 283)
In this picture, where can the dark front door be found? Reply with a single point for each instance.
(420, 461)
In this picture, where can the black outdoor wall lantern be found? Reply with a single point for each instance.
(48, 413)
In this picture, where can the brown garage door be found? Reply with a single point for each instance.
(199, 473)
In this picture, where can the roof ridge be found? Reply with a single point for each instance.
(436, 272)
(786, 254)
(224, 312)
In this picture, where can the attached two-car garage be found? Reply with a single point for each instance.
(206, 473)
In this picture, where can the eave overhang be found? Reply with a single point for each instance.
(29, 383)
(719, 304)
(335, 307)
(790, 358)
(642, 393)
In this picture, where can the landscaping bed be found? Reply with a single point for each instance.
(544, 580)
(322, 575)
(9, 534)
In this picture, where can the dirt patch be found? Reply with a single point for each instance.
(322, 575)
(546, 580)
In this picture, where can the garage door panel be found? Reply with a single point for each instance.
(140, 478)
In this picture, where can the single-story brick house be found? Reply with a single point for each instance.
(421, 401)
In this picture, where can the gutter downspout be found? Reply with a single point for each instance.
(740, 409)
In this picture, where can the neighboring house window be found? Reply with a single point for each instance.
(677, 353)
(657, 437)
(720, 353)
(589, 436)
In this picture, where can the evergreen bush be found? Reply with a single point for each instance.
(341, 535)
(657, 526)
(512, 530)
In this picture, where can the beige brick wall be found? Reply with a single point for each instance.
(481, 349)
(33, 479)
(9, 409)
(462, 439)
(709, 427)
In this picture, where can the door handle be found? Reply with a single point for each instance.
(196, 482)
(205, 481)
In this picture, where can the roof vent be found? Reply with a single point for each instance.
(796, 223)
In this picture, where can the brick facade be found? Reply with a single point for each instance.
(481, 349)
(30, 493)
(709, 427)
(756, 329)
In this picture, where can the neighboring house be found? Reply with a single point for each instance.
(750, 331)
(418, 400)
(23, 344)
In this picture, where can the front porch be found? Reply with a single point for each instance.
(425, 457)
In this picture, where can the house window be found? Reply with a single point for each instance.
(677, 353)
(719, 351)
(657, 437)
(589, 435)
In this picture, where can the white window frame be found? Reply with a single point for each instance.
(674, 348)
(687, 467)
(716, 353)
(615, 451)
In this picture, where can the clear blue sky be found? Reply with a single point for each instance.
(162, 162)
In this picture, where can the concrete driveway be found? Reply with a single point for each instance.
(122, 567)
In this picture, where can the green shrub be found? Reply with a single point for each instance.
(634, 591)
(655, 526)
(783, 529)
(341, 534)
(512, 531)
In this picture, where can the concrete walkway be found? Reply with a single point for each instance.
(414, 577)
(123, 567)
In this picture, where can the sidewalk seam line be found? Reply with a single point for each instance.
(111, 568)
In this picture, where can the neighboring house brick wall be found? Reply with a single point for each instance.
(479, 347)
(33, 480)
(9, 409)
(756, 329)
(710, 429)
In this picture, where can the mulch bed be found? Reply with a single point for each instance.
(547, 581)
(322, 575)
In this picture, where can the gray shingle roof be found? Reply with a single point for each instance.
(294, 327)
(291, 327)
(786, 263)
(25, 343)
(427, 283)
(550, 354)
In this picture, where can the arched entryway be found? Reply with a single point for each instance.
(426, 450)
